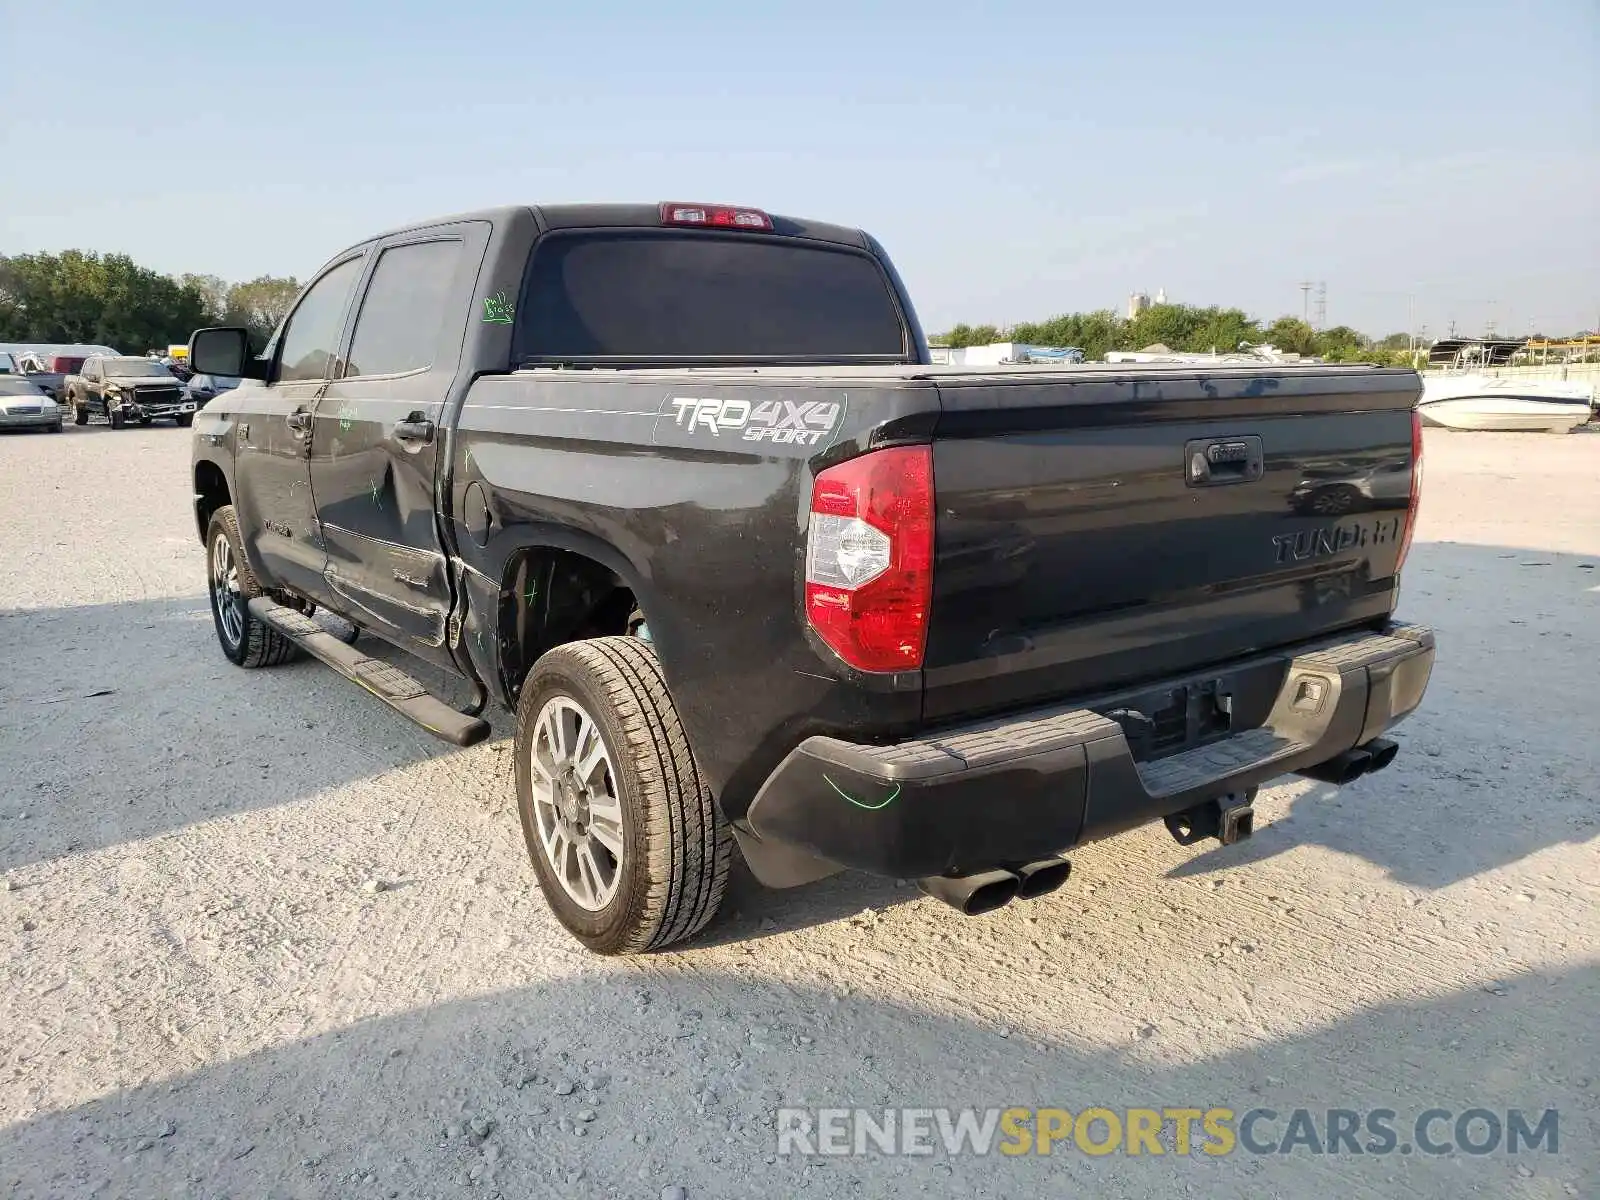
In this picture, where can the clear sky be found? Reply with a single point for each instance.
(1017, 159)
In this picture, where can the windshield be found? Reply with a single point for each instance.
(16, 385)
(136, 368)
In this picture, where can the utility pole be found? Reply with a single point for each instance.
(1322, 306)
(1305, 302)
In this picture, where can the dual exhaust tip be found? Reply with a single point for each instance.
(974, 895)
(1353, 764)
(986, 891)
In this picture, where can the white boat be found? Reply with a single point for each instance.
(1247, 354)
(1458, 397)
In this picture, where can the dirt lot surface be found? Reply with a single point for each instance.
(261, 937)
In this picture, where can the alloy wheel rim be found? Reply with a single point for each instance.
(225, 590)
(576, 809)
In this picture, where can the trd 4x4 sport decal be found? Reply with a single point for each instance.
(701, 420)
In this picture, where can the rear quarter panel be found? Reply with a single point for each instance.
(705, 527)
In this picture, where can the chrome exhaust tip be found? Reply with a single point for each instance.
(1340, 769)
(973, 895)
(1382, 751)
(1041, 878)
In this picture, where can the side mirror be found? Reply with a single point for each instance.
(222, 351)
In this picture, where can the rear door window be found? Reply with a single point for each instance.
(397, 329)
(664, 295)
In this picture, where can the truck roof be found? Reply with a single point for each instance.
(622, 216)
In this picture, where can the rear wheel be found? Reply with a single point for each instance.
(247, 641)
(625, 837)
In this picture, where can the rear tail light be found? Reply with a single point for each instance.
(1416, 488)
(715, 216)
(869, 558)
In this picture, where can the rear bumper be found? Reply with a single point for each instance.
(1023, 787)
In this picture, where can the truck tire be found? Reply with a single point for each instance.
(184, 420)
(80, 414)
(115, 416)
(616, 783)
(247, 641)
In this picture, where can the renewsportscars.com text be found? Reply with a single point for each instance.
(1168, 1130)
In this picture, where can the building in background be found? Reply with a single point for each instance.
(1139, 302)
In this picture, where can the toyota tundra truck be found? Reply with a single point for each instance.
(678, 486)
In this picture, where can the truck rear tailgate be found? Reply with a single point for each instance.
(1099, 527)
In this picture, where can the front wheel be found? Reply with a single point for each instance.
(184, 420)
(246, 640)
(80, 414)
(115, 416)
(625, 837)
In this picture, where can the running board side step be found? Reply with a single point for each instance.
(390, 684)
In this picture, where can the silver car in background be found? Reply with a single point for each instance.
(26, 405)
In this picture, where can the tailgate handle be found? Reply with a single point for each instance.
(1212, 462)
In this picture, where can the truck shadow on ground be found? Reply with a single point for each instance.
(675, 1080)
(123, 721)
(1500, 761)
(752, 911)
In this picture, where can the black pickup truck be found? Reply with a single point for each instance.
(678, 485)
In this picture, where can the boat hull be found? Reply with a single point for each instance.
(1487, 403)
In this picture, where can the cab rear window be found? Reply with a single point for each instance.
(666, 295)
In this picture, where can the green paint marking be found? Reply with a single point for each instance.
(497, 310)
(861, 804)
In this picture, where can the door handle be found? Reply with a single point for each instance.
(300, 421)
(415, 428)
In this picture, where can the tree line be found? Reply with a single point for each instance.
(1186, 328)
(110, 300)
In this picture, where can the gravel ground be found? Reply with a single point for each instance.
(260, 937)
